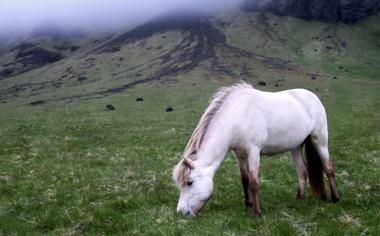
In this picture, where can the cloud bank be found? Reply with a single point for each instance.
(22, 16)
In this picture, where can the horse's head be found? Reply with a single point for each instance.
(195, 184)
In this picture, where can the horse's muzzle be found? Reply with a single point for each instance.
(185, 211)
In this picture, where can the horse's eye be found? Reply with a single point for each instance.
(189, 183)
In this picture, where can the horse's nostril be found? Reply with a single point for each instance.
(189, 213)
(184, 212)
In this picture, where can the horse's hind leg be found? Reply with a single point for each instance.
(241, 158)
(329, 170)
(301, 171)
(323, 152)
(330, 175)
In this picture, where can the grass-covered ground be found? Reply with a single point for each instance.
(69, 167)
(73, 168)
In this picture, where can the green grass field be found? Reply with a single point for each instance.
(69, 167)
(74, 168)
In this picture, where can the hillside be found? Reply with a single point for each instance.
(238, 45)
(346, 11)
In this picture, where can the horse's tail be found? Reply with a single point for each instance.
(314, 169)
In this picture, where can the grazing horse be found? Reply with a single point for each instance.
(251, 122)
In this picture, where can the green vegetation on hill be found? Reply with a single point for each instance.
(70, 167)
(337, 49)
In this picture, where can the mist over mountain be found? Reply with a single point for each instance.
(18, 17)
(58, 18)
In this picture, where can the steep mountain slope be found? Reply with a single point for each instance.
(258, 47)
(332, 48)
(347, 11)
(41, 47)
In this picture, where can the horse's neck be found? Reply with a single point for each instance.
(214, 147)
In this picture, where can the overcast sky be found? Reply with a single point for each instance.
(25, 15)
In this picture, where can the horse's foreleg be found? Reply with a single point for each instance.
(253, 193)
(243, 166)
(253, 182)
(245, 182)
(301, 171)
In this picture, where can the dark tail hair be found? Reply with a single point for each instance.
(314, 169)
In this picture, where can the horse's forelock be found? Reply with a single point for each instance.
(181, 173)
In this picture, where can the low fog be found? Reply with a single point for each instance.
(24, 16)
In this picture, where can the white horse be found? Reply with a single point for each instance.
(251, 122)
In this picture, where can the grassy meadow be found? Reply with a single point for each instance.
(70, 167)
(73, 168)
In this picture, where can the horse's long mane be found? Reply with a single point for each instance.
(216, 102)
(181, 171)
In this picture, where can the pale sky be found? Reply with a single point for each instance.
(25, 15)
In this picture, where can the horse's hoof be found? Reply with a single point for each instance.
(299, 197)
(334, 199)
(256, 214)
(323, 198)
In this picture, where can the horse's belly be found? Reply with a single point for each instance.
(280, 147)
(284, 141)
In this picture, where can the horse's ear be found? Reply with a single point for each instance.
(188, 162)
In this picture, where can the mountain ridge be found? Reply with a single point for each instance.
(30, 54)
(346, 11)
(254, 46)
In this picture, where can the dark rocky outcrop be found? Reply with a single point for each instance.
(352, 11)
(28, 57)
(110, 107)
(37, 56)
(38, 102)
(6, 72)
(347, 11)
(169, 109)
(262, 83)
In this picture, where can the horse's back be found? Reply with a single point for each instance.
(312, 104)
(308, 100)
(278, 121)
(296, 104)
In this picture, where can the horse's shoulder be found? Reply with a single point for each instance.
(298, 91)
(302, 95)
